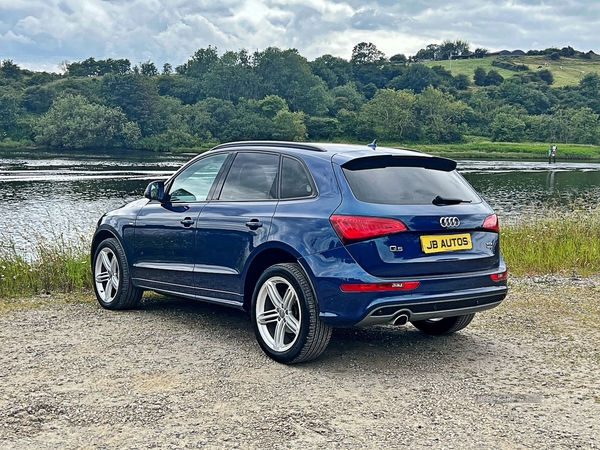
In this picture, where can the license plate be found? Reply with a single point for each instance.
(446, 243)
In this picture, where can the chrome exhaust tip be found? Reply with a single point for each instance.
(401, 319)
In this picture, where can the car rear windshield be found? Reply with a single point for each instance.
(396, 181)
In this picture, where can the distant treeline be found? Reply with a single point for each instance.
(279, 94)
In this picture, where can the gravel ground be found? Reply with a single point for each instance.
(180, 374)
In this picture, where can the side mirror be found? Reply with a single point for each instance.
(155, 191)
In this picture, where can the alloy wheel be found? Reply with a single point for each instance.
(107, 275)
(278, 314)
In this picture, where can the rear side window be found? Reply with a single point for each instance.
(406, 185)
(295, 181)
(251, 177)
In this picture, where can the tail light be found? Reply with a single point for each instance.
(353, 228)
(491, 223)
(500, 276)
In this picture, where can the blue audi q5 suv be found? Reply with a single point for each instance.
(306, 237)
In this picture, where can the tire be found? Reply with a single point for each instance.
(285, 317)
(111, 277)
(446, 325)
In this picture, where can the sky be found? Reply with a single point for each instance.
(40, 34)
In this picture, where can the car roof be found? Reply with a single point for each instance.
(326, 150)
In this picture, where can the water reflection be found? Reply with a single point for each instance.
(515, 188)
(62, 195)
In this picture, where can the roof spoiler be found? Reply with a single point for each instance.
(375, 162)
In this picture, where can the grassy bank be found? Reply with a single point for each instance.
(553, 242)
(475, 147)
(548, 242)
(9, 143)
(479, 148)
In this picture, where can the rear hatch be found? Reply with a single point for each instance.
(406, 216)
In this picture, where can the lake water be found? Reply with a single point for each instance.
(63, 194)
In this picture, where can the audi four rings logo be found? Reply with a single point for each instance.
(449, 222)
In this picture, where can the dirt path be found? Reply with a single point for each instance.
(179, 374)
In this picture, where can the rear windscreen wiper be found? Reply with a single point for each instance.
(448, 201)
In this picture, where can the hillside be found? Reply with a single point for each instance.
(566, 71)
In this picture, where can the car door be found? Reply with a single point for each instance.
(165, 232)
(233, 225)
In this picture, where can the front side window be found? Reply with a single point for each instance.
(252, 177)
(194, 183)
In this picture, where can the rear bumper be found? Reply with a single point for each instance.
(435, 297)
(424, 309)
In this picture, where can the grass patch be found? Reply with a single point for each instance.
(553, 241)
(9, 143)
(54, 266)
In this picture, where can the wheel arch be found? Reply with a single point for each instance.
(100, 236)
(259, 264)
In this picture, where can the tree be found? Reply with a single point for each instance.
(10, 113)
(461, 82)
(167, 69)
(348, 122)
(74, 122)
(248, 122)
(335, 71)
(38, 99)
(493, 78)
(271, 105)
(389, 115)
(289, 126)
(322, 128)
(288, 75)
(92, 68)
(428, 53)
(347, 97)
(453, 48)
(138, 98)
(188, 90)
(479, 76)
(584, 126)
(546, 76)
(481, 52)
(148, 69)
(231, 78)
(399, 58)
(589, 85)
(201, 62)
(10, 70)
(532, 99)
(574, 126)
(442, 118)
(507, 128)
(416, 78)
(366, 53)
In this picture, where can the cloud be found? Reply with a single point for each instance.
(41, 33)
(15, 38)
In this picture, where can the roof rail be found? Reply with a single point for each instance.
(280, 144)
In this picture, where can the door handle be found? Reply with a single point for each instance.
(187, 222)
(254, 224)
